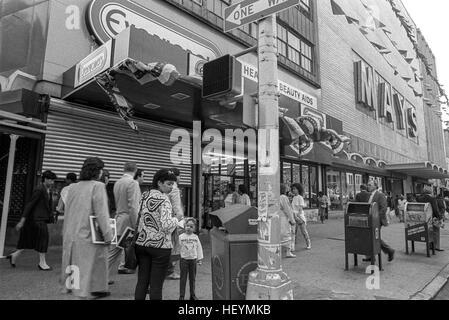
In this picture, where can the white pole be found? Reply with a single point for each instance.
(268, 282)
(12, 155)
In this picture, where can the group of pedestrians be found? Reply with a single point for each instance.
(234, 197)
(293, 218)
(163, 235)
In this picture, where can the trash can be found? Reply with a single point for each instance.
(234, 250)
(362, 232)
(418, 226)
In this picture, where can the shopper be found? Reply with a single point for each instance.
(401, 207)
(427, 197)
(363, 196)
(323, 201)
(298, 206)
(33, 225)
(70, 180)
(381, 200)
(287, 222)
(87, 198)
(191, 255)
(232, 197)
(154, 244)
(244, 198)
(178, 212)
(111, 202)
(127, 196)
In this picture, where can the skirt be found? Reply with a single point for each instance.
(34, 235)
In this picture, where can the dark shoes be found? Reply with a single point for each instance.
(99, 295)
(439, 250)
(391, 256)
(181, 298)
(10, 261)
(111, 282)
(193, 298)
(126, 271)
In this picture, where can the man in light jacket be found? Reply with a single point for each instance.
(127, 198)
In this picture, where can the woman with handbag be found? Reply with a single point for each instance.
(87, 261)
(153, 244)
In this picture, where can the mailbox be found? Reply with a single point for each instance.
(418, 226)
(234, 250)
(362, 232)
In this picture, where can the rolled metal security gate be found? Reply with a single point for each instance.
(76, 132)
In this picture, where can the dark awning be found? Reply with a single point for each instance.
(352, 165)
(423, 170)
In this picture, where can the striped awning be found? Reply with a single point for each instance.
(424, 170)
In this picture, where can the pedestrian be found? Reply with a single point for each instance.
(363, 196)
(381, 200)
(70, 180)
(298, 206)
(127, 197)
(153, 243)
(396, 207)
(323, 201)
(178, 212)
(402, 202)
(232, 197)
(287, 222)
(191, 255)
(105, 178)
(33, 225)
(427, 197)
(244, 198)
(87, 198)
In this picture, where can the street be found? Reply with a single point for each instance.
(317, 274)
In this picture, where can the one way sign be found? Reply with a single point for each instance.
(249, 11)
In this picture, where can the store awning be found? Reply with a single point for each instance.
(423, 170)
(175, 103)
(353, 165)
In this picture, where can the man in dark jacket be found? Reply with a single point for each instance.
(363, 195)
(381, 200)
(33, 225)
(427, 197)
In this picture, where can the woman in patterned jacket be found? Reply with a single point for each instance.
(153, 244)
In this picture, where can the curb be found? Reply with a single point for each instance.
(433, 287)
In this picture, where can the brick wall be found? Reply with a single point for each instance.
(341, 44)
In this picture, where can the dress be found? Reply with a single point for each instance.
(286, 215)
(84, 199)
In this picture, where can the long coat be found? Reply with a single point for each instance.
(84, 199)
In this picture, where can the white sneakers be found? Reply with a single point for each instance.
(309, 247)
(290, 255)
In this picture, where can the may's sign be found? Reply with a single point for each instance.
(249, 11)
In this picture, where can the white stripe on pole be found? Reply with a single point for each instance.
(12, 154)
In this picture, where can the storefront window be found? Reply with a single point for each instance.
(314, 187)
(334, 189)
(296, 173)
(287, 173)
(305, 183)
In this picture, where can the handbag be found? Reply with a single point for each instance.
(130, 251)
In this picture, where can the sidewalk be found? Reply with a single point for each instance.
(317, 274)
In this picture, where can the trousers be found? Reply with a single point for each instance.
(188, 268)
(153, 264)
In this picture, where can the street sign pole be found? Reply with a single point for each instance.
(268, 281)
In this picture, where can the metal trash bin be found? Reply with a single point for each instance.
(418, 226)
(234, 250)
(362, 232)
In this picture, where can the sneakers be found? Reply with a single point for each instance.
(126, 271)
(290, 255)
(173, 276)
(309, 247)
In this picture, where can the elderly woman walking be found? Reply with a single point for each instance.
(287, 223)
(87, 261)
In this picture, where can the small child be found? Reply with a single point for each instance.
(191, 254)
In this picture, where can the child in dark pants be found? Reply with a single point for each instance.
(191, 255)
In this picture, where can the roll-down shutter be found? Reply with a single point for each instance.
(75, 133)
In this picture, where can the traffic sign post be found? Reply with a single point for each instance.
(268, 281)
(249, 11)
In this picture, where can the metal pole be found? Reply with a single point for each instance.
(268, 282)
(12, 155)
